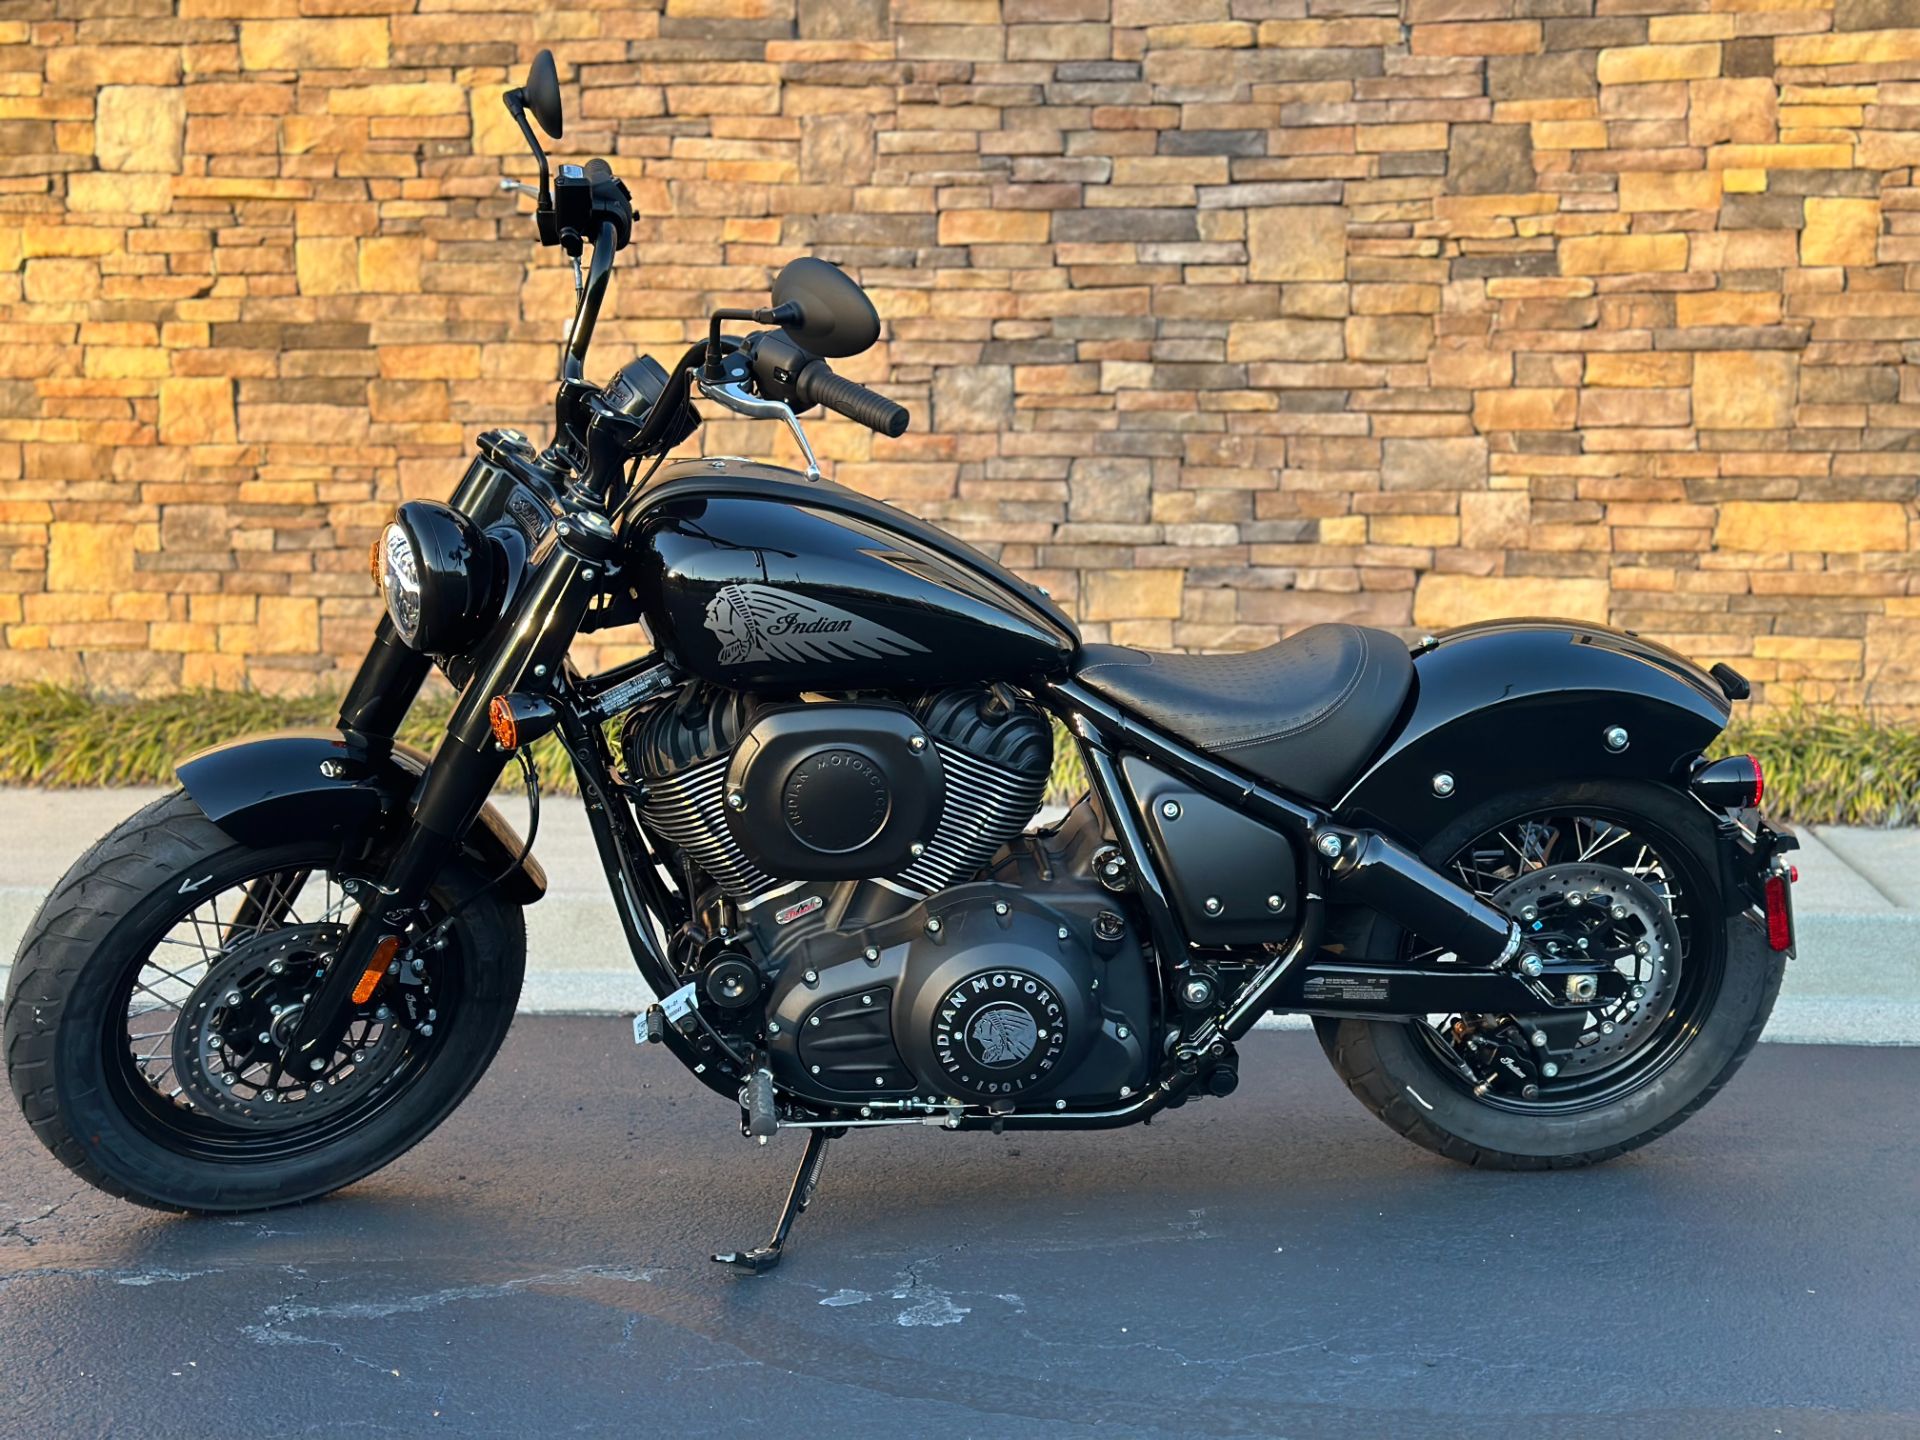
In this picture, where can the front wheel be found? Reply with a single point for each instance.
(152, 997)
(1605, 877)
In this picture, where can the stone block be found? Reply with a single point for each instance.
(1495, 519)
(1437, 463)
(1670, 190)
(1811, 526)
(139, 127)
(1744, 389)
(1109, 489)
(1622, 254)
(994, 227)
(1441, 601)
(1388, 338)
(340, 43)
(973, 398)
(1652, 64)
(1525, 408)
(90, 558)
(1251, 340)
(327, 265)
(1133, 594)
(197, 410)
(98, 192)
(1746, 112)
(1297, 242)
(1490, 160)
(1840, 232)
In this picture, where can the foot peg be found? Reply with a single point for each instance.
(764, 1258)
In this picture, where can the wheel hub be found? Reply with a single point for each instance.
(230, 1043)
(1583, 920)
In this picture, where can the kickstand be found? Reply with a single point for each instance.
(758, 1262)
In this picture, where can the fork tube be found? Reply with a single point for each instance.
(527, 646)
(383, 690)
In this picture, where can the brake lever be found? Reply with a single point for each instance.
(736, 397)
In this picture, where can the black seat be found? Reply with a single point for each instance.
(1306, 713)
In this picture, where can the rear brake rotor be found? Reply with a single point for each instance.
(1602, 915)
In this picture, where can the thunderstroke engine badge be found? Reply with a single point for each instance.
(759, 622)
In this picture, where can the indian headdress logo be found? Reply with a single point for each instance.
(760, 622)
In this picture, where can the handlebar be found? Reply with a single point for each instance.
(573, 363)
(816, 384)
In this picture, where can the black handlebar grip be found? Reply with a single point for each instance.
(818, 385)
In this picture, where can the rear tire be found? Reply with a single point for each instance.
(1393, 1069)
(64, 1039)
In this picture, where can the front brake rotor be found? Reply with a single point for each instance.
(1598, 918)
(230, 1040)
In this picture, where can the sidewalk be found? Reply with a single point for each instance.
(1856, 979)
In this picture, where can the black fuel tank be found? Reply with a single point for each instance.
(755, 577)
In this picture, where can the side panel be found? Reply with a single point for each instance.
(261, 791)
(826, 590)
(1516, 703)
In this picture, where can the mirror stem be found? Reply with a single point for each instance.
(516, 103)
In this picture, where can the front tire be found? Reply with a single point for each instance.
(1398, 1071)
(93, 1050)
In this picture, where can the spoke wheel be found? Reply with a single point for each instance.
(207, 1007)
(1595, 892)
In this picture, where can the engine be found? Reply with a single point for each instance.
(759, 795)
(887, 932)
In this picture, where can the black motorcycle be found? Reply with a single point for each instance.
(1533, 924)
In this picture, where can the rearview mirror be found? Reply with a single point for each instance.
(543, 94)
(832, 316)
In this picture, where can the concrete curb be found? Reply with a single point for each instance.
(1856, 981)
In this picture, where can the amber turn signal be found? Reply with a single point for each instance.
(506, 729)
(517, 719)
(383, 954)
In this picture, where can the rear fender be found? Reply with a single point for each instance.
(1515, 703)
(261, 792)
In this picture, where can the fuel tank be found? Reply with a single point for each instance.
(754, 577)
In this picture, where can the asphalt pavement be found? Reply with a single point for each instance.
(1275, 1264)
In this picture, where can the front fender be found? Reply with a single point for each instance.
(1513, 703)
(263, 791)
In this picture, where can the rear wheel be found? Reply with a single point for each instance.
(1609, 879)
(155, 990)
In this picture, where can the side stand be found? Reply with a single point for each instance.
(763, 1259)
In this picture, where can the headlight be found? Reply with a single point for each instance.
(400, 582)
(437, 572)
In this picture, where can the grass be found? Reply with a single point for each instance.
(1823, 767)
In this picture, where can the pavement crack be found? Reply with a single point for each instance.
(16, 1229)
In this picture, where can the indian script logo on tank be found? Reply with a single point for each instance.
(760, 622)
(999, 1031)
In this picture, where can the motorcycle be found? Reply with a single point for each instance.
(1533, 923)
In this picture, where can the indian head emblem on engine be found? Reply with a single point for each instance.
(1002, 1035)
(758, 622)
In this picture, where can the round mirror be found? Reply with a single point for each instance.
(543, 93)
(835, 318)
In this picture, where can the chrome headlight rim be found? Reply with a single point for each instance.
(400, 581)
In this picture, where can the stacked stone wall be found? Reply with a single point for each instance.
(1218, 318)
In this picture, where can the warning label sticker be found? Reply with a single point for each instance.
(1346, 989)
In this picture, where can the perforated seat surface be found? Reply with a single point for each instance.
(1305, 714)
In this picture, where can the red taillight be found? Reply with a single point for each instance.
(1734, 783)
(1779, 916)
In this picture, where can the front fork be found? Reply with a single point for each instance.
(524, 652)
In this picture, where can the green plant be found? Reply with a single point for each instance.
(1845, 767)
(1833, 767)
